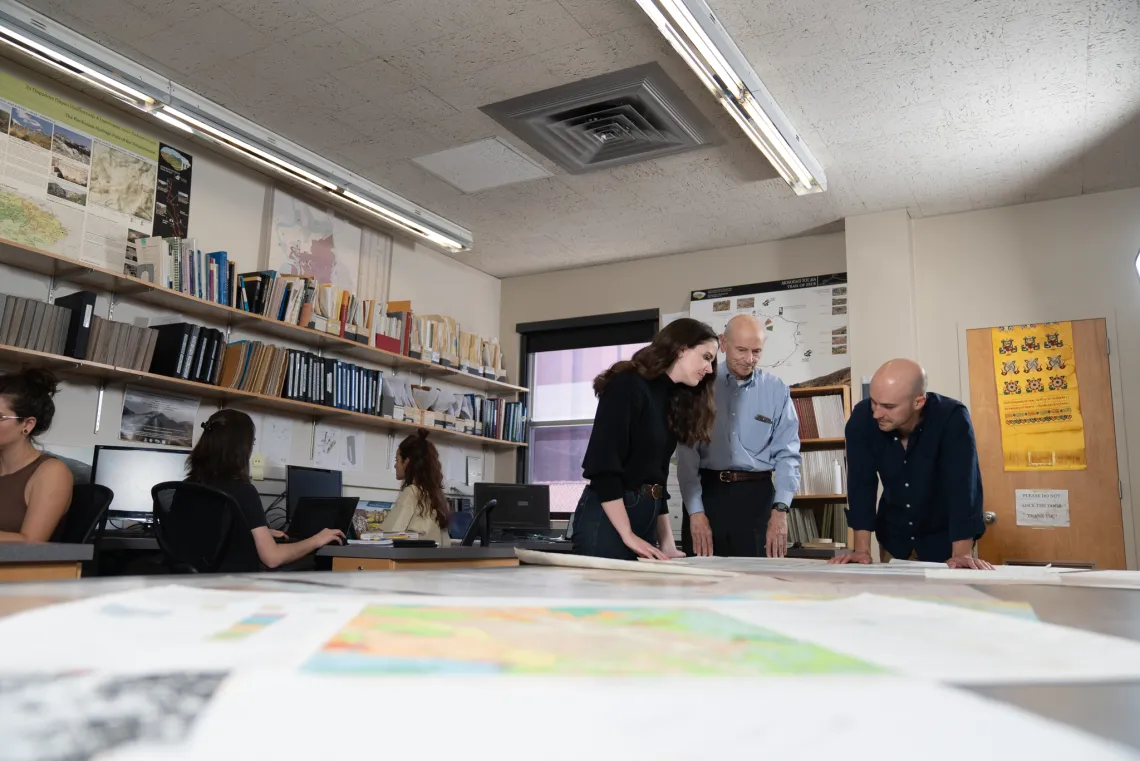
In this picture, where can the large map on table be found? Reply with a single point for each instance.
(581, 641)
(805, 322)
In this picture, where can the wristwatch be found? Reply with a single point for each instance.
(780, 507)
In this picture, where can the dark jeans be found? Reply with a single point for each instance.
(738, 515)
(595, 535)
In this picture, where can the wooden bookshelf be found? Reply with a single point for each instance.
(818, 501)
(90, 276)
(837, 442)
(67, 367)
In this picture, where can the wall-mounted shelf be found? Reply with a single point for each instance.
(69, 367)
(89, 276)
(837, 442)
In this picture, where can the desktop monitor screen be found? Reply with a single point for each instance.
(309, 482)
(130, 472)
(519, 506)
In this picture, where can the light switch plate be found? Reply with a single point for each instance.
(257, 467)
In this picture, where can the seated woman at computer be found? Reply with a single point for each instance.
(35, 488)
(421, 507)
(220, 460)
(662, 395)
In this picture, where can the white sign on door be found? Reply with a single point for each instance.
(1043, 507)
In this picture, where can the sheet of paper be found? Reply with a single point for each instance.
(564, 560)
(819, 718)
(951, 644)
(1042, 508)
(1001, 574)
(275, 440)
(1113, 579)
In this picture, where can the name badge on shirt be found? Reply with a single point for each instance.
(763, 419)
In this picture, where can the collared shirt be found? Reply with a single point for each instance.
(756, 429)
(932, 488)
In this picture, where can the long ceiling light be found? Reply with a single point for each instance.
(693, 30)
(49, 43)
(75, 68)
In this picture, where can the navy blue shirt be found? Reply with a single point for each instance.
(932, 489)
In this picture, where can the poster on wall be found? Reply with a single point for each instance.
(805, 322)
(151, 418)
(307, 240)
(71, 181)
(1039, 406)
(172, 193)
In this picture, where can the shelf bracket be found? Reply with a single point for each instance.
(99, 405)
(111, 301)
(51, 290)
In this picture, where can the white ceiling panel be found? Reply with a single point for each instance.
(939, 106)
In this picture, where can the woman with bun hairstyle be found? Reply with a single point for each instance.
(421, 506)
(35, 488)
(660, 396)
(220, 460)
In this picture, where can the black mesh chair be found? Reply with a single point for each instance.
(86, 517)
(480, 526)
(194, 525)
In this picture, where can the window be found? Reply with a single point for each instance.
(563, 404)
(561, 360)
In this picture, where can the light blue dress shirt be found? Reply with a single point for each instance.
(743, 439)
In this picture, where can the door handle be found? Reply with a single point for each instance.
(989, 518)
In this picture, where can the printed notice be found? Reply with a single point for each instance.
(1042, 508)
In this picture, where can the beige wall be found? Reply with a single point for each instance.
(663, 282)
(1056, 260)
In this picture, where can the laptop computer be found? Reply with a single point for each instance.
(314, 514)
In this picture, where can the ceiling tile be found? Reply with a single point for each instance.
(202, 41)
(401, 24)
(601, 16)
(175, 11)
(276, 19)
(338, 10)
(115, 17)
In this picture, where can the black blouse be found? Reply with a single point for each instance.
(631, 443)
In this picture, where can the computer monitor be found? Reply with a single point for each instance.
(309, 482)
(519, 506)
(130, 472)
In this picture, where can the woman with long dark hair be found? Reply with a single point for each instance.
(661, 396)
(421, 506)
(220, 460)
(35, 488)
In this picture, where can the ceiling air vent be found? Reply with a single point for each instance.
(617, 118)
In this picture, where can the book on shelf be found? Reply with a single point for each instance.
(496, 418)
(391, 331)
(188, 351)
(178, 264)
(32, 324)
(821, 417)
(82, 306)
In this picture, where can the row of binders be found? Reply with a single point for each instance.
(496, 418)
(823, 472)
(821, 417)
(33, 324)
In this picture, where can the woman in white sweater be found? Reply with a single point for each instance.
(421, 506)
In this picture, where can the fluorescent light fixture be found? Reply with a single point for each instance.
(693, 30)
(222, 135)
(402, 221)
(69, 65)
(1138, 264)
(173, 122)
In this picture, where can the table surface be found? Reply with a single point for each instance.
(24, 552)
(1105, 710)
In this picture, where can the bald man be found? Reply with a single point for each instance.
(921, 445)
(737, 488)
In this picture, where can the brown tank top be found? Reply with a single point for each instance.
(13, 505)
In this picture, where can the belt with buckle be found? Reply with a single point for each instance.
(657, 491)
(737, 476)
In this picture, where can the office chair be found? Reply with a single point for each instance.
(194, 525)
(482, 516)
(86, 517)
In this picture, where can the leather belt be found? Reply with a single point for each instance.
(657, 491)
(737, 476)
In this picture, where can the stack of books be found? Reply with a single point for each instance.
(496, 418)
(178, 264)
(823, 472)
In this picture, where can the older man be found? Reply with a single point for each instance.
(737, 488)
(921, 445)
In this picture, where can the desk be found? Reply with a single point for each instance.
(20, 561)
(362, 557)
